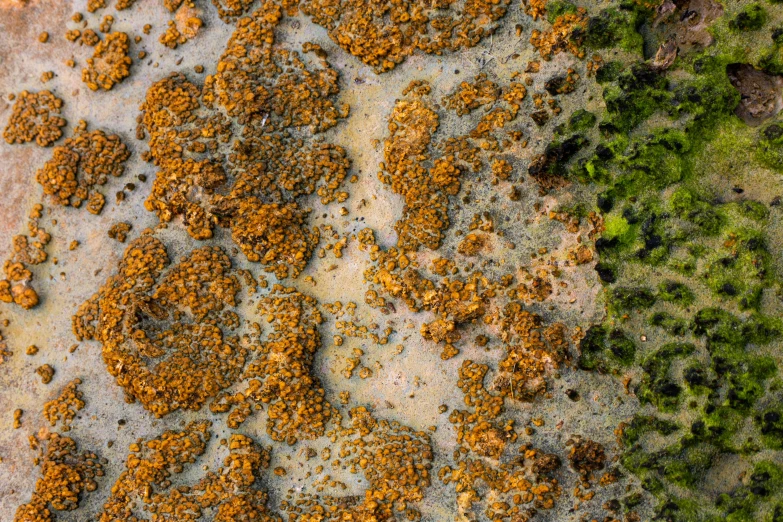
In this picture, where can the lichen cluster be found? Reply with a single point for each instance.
(383, 34)
(281, 376)
(230, 154)
(28, 250)
(518, 487)
(426, 170)
(35, 117)
(63, 409)
(83, 162)
(66, 475)
(231, 493)
(395, 461)
(109, 64)
(165, 328)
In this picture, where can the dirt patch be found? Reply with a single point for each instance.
(761, 93)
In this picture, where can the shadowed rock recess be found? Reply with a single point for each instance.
(373, 261)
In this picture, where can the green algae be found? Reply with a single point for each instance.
(752, 17)
(706, 385)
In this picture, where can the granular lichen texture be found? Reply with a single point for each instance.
(109, 64)
(36, 118)
(241, 152)
(81, 163)
(385, 261)
(162, 326)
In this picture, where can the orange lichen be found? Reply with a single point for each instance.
(248, 175)
(481, 431)
(231, 493)
(27, 250)
(161, 326)
(395, 461)
(34, 117)
(535, 8)
(533, 352)
(566, 34)
(46, 372)
(119, 231)
(94, 5)
(110, 63)
(5, 353)
(82, 162)
(383, 34)
(90, 37)
(427, 171)
(184, 27)
(65, 406)
(281, 376)
(66, 474)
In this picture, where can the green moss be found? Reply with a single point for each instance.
(679, 473)
(740, 269)
(719, 326)
(772, 59)
(657, 386)
(746, 378)
(643, 424)
(699, 378)
(765, 482)
(614, 27)
(770, 424)
(707, 98)
(638, 93)
(683, 266)
(604, 349)
(626, 298)
(581, 120)
(752, 17)
(672, 325)
(674, 292)
(750, 210)
(656, 161)
(621, 347)
(617, 227)
(661, 217)
(770, 149)
(609, 72)
(688, 205)
(558, 8)
(675, 509)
